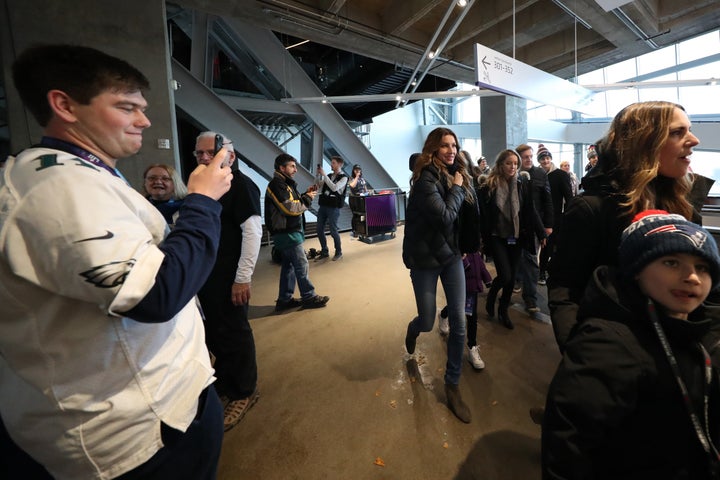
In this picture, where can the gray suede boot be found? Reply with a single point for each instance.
(456, 404)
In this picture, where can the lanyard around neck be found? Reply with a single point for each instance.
(702, 431)
(80, 152)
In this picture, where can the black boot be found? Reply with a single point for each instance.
(456, 404)
(505, 318)
(490, 301)
(410, 340)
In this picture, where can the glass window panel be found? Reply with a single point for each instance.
(709, 70)
(700, 100)
(596, 77)
(699, 47)
(598, 107)
(621, 72)
(669, 94)
(706, 164)
(657, 60)
(619, 99)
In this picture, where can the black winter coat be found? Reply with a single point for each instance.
(531, 225)
(614, 408)
(431, 222)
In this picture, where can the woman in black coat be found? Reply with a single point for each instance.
(440, 186)
(508, 223)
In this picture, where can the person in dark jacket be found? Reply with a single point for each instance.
(225, 296)
(636, 395)
(431, 249)
(508, 224)
(285, 220)
(643, 163)
(560, 193)
(528, 272)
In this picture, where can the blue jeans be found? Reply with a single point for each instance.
(424, 282)
(528, 273)
(294, 268)
(328, 215)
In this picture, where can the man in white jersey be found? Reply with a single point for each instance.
(103, 366)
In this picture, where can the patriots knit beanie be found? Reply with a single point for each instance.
(543, 152)
(656, 233)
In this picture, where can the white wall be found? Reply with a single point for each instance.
(394, 136)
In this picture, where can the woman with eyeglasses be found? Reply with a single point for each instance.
(165, 189)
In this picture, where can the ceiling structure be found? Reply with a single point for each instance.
(362, 47)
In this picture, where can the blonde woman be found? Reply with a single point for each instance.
(164, 188)
(643, 163)
(509, 222)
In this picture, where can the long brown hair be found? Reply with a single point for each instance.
(427, 157)
(629, 153)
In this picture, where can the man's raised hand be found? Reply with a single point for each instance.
(212, 180)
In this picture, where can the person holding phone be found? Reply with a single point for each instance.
(331, 200)
(225, 297)
(104, 370)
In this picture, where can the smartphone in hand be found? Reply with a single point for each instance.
(219, 145)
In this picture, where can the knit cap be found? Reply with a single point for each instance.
(543, 152)
(591, 152)
(656, 233)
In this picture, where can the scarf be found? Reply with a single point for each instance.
(508, 204)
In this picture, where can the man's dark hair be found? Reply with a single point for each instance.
(337, 159)
(81, 72)
(283, 159)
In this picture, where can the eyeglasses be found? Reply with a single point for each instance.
(155, 178)
(209, 153)
(200, 153)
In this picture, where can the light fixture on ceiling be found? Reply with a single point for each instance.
(431, 54)
(462, 3)
(388, 97)
(296, 44)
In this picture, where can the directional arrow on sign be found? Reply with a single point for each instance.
(513, 77)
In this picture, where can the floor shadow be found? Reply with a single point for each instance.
(502, 455)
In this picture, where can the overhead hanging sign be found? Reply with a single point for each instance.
(501, 73)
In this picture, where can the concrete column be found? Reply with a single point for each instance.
(134, 30)
(503, 124)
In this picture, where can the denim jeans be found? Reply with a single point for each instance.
(425, 280)
(528, 273)
(294, 268)
(328, 215)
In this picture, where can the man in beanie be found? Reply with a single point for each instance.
(285, 220)
(528, 272)
(636, 394)
(592, 157)
(560, 194)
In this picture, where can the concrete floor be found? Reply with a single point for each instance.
(339, 393)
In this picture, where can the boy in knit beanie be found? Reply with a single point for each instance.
(636, 394)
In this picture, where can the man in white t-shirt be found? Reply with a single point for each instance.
(103, 365)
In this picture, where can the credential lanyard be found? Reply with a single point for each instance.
(72, 149)
(703, 434)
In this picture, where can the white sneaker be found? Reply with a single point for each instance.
(474, 358)
(443, 325)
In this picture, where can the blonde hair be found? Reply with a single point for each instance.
(496, 174)
(629, 153)
(180, 189)
(427, 157)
